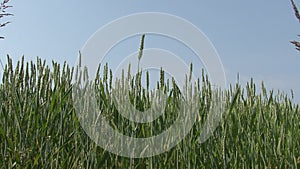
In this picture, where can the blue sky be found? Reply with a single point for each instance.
(251, 37)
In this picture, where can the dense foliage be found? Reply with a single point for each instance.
(39, 126)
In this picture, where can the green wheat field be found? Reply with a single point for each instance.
(39, 127)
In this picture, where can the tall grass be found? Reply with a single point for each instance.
(39, 127)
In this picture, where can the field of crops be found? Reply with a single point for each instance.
(39, 127)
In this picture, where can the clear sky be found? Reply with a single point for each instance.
(251, 37)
